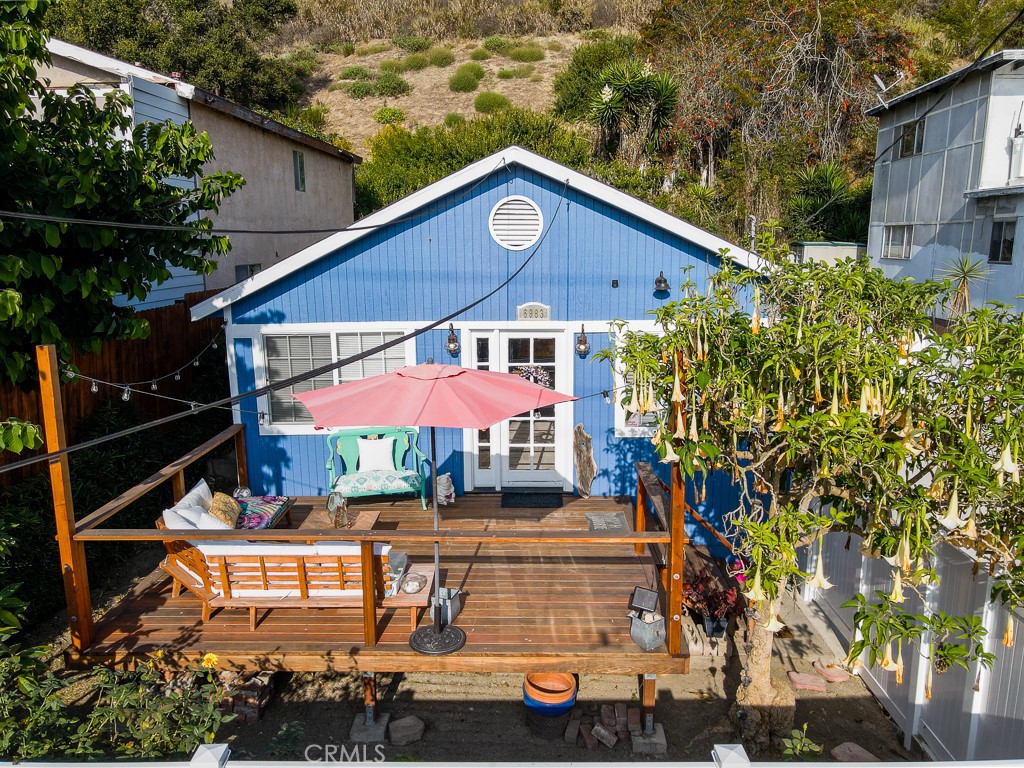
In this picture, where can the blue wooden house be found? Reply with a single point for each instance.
(596, 254)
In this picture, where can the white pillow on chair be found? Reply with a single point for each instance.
(376, 454)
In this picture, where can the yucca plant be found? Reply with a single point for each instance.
(963, 273)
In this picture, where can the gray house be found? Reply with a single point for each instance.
(293, 181)
(952, 183)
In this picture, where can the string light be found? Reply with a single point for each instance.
(607, 398)
(152, 387)
(126, 395)
(195, 362)
(95, 387)
(262, 418)
(177, 375)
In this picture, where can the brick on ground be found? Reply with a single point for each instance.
(833, 673)
(608, 715)
(633, 720)
(589, 740)
(805, 681)
(605, 735)
(572, 731)
(849, 752)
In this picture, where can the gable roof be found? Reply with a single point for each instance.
(474, 172)
(192, 93)
(987, 64)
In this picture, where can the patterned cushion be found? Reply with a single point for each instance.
(225, 509)
(379, 480)
(261, 512)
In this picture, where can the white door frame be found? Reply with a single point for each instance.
(565, 342)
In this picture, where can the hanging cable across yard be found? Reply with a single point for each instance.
(324, 369)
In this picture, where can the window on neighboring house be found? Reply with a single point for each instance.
(289, 356)
(1001, 249)
(896, 240)
(245, 271)
(299, 165)
(911, 139)
(294, 354)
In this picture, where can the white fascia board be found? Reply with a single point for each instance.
(106, 63)
(452, 183)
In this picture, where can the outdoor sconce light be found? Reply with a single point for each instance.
(453, 341)
(582, 343)
(661, 283)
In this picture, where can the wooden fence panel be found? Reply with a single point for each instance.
(173, 342)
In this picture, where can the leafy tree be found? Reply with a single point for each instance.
(68, 158)
(632, 109)
(578, 84)
(828, 397)
(212, 44)
(828, 205)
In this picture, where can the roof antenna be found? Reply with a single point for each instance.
(883, 88)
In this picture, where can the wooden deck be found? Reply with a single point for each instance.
(527, 606)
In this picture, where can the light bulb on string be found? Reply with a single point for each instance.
(126, 395)
(177, 375)
(262, 418)
(196, 362)
(152, 386)
(607, 397)
(213, 344)
(95, 387)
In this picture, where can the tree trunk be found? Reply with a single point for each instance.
(765, 709)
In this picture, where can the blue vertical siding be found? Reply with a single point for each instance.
(414, 271)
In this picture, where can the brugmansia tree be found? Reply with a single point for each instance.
(66, 156)
(827, 396)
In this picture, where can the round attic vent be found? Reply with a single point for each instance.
(516, 223)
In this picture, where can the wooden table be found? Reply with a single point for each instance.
(318, 520)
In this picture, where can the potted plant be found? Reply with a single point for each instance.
(714, 604)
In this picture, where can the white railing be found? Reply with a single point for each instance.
(974, 714)
(722, 756)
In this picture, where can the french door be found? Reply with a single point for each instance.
(533, 448)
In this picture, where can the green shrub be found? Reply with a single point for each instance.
(489, 101)
(516, 73)
(360, 89)
(372, 49)
(356, 72)
(462, 82)
(498, 44)
(526, 53)
(415, 61)
(479, 54)
(471, 68)
(314, 118)
(579, 82)
(453, 118)
(390, 84)
(304, 62)
(411, 43)
(392, 65)
(337, 87)
(441, 57)
(347, 49)
(555, 46)
(389, 115)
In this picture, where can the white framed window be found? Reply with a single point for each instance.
(293, 351)
(1001, 249)
(896, 241)
(299, 167)
(911, 139)
(245, 271)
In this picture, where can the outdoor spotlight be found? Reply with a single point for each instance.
(661, 282)
(453, 341)
(582, 344)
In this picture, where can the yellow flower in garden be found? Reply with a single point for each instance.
(210, 660)
(159, 654)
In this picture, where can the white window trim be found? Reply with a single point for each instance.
(907, 246)
(255, 333)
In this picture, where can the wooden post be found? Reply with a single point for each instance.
(647, 690)
(370, 697)
(677, 530)
(240, 459)
(641, 510)
(72, 553)
(369, 578)
(178, 485)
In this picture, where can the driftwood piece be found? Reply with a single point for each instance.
(583, 456)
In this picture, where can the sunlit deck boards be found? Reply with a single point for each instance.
(526, 606)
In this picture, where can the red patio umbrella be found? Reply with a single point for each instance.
(430, 395)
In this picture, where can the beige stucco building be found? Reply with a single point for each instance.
(293, 180)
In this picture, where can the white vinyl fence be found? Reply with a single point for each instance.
(962, 720)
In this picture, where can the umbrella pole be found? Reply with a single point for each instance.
(436, 639)
(438, 625)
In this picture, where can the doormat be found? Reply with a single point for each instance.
(607, 521)
(519, 500)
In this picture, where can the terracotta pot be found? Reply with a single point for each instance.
(550, 687)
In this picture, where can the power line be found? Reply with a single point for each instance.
(214, 230)
(298, 378)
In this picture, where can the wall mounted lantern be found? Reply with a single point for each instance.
(661, 283)
(582, 343)
(453, 341)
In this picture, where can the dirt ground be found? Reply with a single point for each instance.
(476, 717)
(430, 99)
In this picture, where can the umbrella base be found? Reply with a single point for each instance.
(428, 641)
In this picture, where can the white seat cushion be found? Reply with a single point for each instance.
(373, 481)
(199, 496)
(214, 549)
(176, 521)
(348, 548)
